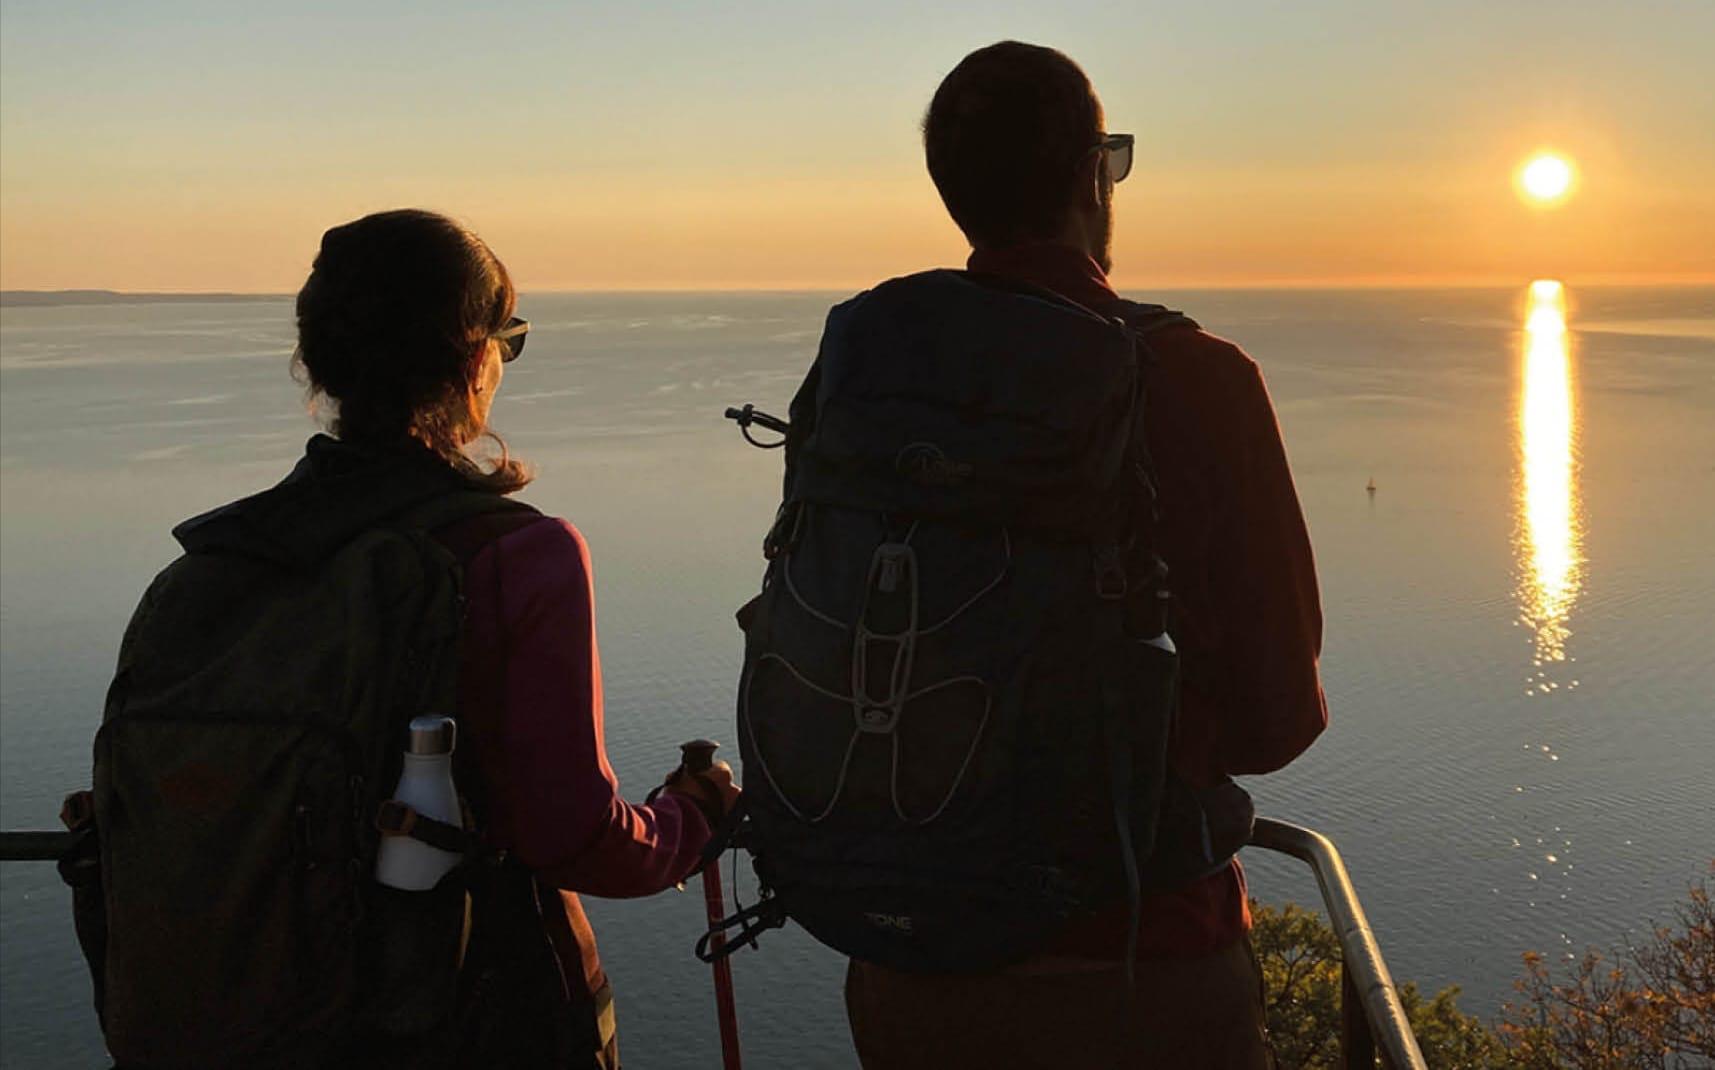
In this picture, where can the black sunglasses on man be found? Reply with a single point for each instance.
(1118, 147)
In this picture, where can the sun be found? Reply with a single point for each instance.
(1546, 178)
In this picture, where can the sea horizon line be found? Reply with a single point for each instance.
(72, 296)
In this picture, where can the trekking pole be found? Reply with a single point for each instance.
(699, 757)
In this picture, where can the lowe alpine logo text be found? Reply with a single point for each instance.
(899, 923)
(925, 463)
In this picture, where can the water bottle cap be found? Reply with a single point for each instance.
(433, 734)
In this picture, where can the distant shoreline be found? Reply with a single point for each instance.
(50, 298)
(88, 297)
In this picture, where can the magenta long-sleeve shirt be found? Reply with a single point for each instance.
(531, 696)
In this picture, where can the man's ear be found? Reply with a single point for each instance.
(1091, 176)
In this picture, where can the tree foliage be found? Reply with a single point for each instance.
(1648, 1006)
(1300, 957)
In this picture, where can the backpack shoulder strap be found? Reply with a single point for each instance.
(465, 537)
(1145, 319)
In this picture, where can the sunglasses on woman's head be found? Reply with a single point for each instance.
(512, 337)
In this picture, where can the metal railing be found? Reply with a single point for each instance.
(35, 846)
(1372, 1020)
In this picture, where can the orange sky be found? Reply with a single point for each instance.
(188, 147)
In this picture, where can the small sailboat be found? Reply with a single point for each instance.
(1370, 487)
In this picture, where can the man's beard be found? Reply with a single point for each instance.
(1105, 258)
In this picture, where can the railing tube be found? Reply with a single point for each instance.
(35, 846)
(1366, 982)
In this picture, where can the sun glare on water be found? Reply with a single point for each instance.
(1550, 534)
(1546, 178)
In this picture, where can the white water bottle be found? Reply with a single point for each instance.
(426, 786)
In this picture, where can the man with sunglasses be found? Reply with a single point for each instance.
(1017, 148)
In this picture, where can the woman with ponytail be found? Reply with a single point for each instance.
(405, 326)
(269, 944)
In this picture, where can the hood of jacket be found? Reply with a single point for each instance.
(337, 491)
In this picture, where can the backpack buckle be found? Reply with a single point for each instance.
(1111, 582)
(892, 561)
(394, 818)
(1047, 882)
(782, 535)
(877, 720)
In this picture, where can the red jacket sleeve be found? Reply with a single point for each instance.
(554, 799)
(1263, 584)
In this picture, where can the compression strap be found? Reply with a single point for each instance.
(1116, 732)
(394, 818)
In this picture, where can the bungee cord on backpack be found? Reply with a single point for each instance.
(890, 563)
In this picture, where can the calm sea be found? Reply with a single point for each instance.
(1519, 658)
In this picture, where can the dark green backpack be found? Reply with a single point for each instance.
(253, 728)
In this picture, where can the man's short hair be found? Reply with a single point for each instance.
(1004, 137)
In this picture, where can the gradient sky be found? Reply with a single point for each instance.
(169, 145)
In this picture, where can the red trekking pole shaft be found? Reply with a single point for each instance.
(700, 756)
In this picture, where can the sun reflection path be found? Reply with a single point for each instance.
(1551, 563)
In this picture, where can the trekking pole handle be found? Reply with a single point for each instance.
(698, 755)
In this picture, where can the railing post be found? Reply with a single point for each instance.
(1357, 1043)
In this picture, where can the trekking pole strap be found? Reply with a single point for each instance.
(751, 922)
(728, 832)
(723, 828)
